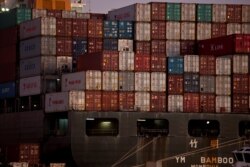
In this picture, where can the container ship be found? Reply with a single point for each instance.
(155, 84)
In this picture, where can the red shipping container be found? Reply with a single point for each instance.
(95, 45)
(158, 102)
(158, 63)
(54, 13)
(158, 11)
(63, 46)
(219, 29)
(93, 100)
(240, 103)
(158, 30)
(175, 84)
(207, 64)
(64, 27)
(106, 60)
(142, 47)
(8, 36)
(207, 103)
(231, 44)
(188, 47)
(8, 54)
(142, 62)
(126, 101)
(95, 28)
(158, 47)
(234, 13)
(191, 102)
(110, 101)
(7, 72)
(100, 16)
(79, 27)
(240, 84)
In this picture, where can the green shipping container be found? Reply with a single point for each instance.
(14, 17)
(204, 12)
(173, 12)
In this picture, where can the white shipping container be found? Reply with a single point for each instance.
(38, 27)
(188, 31)
(65, 101)
(93, 80)
(245, 28)
(233, 28)
(68, 14)
(158, 81)
(126, 81)
(73, 81)
(125, 45)
(207, 84)
(191, 63)
(30, 86)
(246, 13)
(57, 165)
(240, 64)
(36, 13)
(219, 13)
(223, 104)
(126, 61)
(110, 80)
(135, 12)
(223, 66)
(204, 31)
(173, 30)
(223, 85)
(63, 64)
(142, 81)
(173, 48)
(142, 101)
(175, 103)
(37, 46)
(142, 31)
(188, 12)
(41, 65)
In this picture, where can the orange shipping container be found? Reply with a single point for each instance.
(110, 101)
(207, 64)
(191, 102)
(158, 102)
(126, 101)
(93, 100)
(95, 28)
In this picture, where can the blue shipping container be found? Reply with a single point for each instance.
(110, 29)
(7, 90)
(110, 44)
(125, 30)
(191, 83)
(175, 65)
(79, 46)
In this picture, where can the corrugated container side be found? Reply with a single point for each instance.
(54, 13)
(158, 30)
(218, 30)
(188, 12)
(223, 104)
(93, 80)
(223, 66)
(207, 64)
(158, 47)
(233, 28)
(11, 73)
(125, 45)
(173, 48)
(126, 81)
(7, 90)
(158, 63)
(187, 47)
(240, 64)
(80, 28)
(246, 13)
(240, 103)
(125, 30)
(8, 54)
(234, 13)
(173, 11)
(191, 63)
(93, 100)
(175, 65)
(175, 103)
(158, 102)
(191, 83)
(142, 31)
(68, 14)
(142, 62)
(158, 82)
(63, 46)
(142, 101)
(203, 31)
(9, 36)
(207, 84)
(223, 85)
(173, 30)
(126, 61)
(39, 13)
(175, 84)
(245, 28)
(83, 15)
(110, 29)
(142, 81)
(240, 84)
(95, 45)
(73, 81)
(63, 27)
(110, 44)
(126, 101)
(191, 102)
(110, 80)
(142, 47)
(30, 86)
(110, 101)
(188, 30)
(219, 13)
(158, 11)
(207, 103)
(95, 28)
(204, 12)
(79, 46)
(63, 64)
